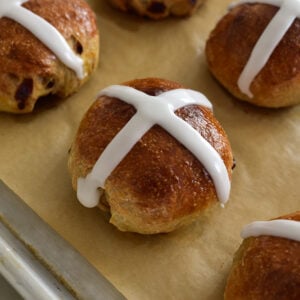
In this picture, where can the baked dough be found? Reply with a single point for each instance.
(266, 268)
(159, 185)
(29, 70)
(229, 47)
(158, 9)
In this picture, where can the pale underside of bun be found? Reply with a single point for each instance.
(266, 268)
(29, 70)
(229, 47)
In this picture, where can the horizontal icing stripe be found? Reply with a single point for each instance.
(278, 228)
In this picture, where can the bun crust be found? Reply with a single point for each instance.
(158, 9)
(159, 185)
(266, 268)
(29, 70)
(230, 44)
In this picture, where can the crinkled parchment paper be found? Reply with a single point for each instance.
(193, 262)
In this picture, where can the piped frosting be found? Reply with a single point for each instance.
(44, 31)
(279, 228)
(151, 110)
(288, 11)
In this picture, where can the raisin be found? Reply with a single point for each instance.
(157, 7)
(50, 84)
(78, 47)
(234, 164)
(23, 92)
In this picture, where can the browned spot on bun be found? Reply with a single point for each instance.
(266, 268)
(229, 47)
(24, 56)
(159, 185)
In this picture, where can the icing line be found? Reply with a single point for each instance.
(153, 110)
(44, 31)
(279, 228)
(288, 11)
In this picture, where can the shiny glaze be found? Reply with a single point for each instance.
(153, 110)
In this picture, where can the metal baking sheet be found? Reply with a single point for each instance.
(40, 264)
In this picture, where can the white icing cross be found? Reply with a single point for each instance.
(153, 110)
(268, 41)
(44, 31)
(288, 229)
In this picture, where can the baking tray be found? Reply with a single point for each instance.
(40, 264)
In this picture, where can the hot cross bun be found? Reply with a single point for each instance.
(46, 47)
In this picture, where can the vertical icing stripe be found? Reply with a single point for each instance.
(120, 145)
(278, 228)
(268, 41)
(264, 48)
(203, 151)
(153, 110)
(44, 31)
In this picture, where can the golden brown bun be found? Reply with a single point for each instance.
(231, 43)
(159, 185)
(266, 268)
(160, 9)
(29, 70)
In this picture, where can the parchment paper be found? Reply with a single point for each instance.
(193, 262)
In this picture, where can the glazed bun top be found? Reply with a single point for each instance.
(159, 184)
(254, 52)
